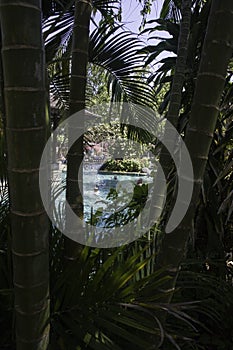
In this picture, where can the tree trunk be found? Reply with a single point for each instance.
(217, 51)
(2, 100)
(23, 67)
(83, 9)
(174, 108)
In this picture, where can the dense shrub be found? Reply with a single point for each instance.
(125, 165)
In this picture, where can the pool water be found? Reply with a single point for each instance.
(96, 188)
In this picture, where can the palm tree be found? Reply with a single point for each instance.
(78, 32)
(78, 79)
(174, 106)
(215, 57)
(111, 49)
(24, 87)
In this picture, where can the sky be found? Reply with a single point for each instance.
(131, 13)
(132, 18)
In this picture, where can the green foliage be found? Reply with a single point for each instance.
(126, 213)
(97, 91)
(125, 165)
(107, 299)
(114, 58)
(164, 73)
(198, 281)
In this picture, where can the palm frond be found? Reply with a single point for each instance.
(118, 52)
(100, 304)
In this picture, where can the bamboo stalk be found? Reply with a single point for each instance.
(173, 109)
(80, 45)
(23, 67)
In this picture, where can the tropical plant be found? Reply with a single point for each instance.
(125, 80)
(175, 98)
(111, 302)
(77, 99)
(208, 91)
(204, 230)
(125, 165)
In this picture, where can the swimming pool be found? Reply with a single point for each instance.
(96, 198)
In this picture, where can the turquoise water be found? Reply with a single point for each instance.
(96, 199)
